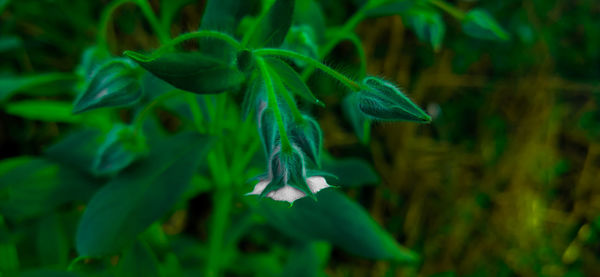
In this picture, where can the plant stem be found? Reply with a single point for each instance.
(272, 102)
(139, 120)
(196, 113)
(198, 34)
(105, 18)
(332, 72)
(163, 36)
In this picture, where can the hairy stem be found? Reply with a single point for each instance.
(272, 102)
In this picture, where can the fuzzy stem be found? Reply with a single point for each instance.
(272, 102)
(290, 54)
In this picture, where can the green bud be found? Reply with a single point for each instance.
(123, 145)
(381, 100)
(113, 84)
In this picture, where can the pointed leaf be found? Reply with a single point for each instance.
(48, 111)
(429, 26)
(192, 72)
(42, 84)
(336, 219)
(273, 26)
(136, 198)
(351, 172)
(291, 79)
(480, 24)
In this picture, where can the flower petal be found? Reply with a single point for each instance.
(317, 183)
(258, 188)
(286, 193)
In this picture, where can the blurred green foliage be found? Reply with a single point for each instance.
(504, 181)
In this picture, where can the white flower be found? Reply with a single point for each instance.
(289, 193)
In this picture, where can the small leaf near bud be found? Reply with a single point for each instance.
(123, 145)
(381, 100)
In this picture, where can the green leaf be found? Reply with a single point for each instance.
(336, 219)
(392, 8)
(123, 145)
(193, 72)
(273, 26)
(37, 85)
(360, 123)
(429, 26)
(136, 198)
(52, 242)
(224, 15)
(38, 186)
(114, 84)
(480, 24)
(138, 260)
(351, 172)
(49, 111)
(305, 261)
(291, 79)
(76, 150)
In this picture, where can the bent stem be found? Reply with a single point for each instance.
(272, 102)
(332, 72)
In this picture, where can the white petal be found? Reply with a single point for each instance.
(316, 183)
(258, 188)
(286, 193)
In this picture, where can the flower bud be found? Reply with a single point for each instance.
(309, 138)
(381, 100)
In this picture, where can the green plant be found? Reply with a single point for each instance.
(131, 173)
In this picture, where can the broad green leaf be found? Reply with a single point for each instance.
(153, 87)
(39, 186)
(38, 85)
(359, 122)
(273, 26)
(351, 172)
(133, 200)
(480, 24)
(291, 79)
(305, 261)
(76, 150)
(193, 72)
(392, 8)
(114, 84)
(49, 111)
(138, 260)
(52, 242)
(122, 146)
(336, 219)
(429, 26)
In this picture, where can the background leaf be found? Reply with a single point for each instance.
(273, 26)
(351, 172)
(128, 204)
(336, 219)
(480, 24)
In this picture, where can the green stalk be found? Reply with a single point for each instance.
(105, 18)
(163, 36)
(196, 113)
(139, 120)
(272, 102)
(290, 54)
